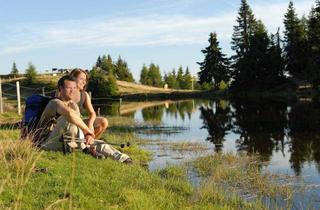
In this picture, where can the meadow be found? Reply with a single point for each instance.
(35, 179)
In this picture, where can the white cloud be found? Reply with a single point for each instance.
(150, 30)
(136, 31)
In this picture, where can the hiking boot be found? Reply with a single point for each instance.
(128, 161)
(121, 157)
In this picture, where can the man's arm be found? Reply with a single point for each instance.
(73, 117)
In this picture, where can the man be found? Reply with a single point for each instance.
(68, 120)
(67, 116)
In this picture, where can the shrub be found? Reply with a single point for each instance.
(31, 73)
(100, 86)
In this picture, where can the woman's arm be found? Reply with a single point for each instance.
(90, 110)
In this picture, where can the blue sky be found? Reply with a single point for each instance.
(170, 33)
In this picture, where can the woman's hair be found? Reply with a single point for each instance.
(75, 72)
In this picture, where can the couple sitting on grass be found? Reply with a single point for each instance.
(66, 108)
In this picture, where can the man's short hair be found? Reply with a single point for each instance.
(64, 78)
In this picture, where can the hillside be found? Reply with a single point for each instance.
(132, 88)
(124, 87)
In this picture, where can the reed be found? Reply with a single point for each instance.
(243, 175)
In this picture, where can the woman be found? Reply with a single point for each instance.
(98, 125)
(82, 98)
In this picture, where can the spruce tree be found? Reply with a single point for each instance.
(144, 75)
(154, 76)
(107, 64)
(165, 78)
(215, 66)
(275, 62)
(242, 32)
(264, 60)
(296, 49)
(14, 69)
(112, 84)
(171, 80)
(187, 80)
(314, 43)
(122, 71)
(99, 62)
(180, 77)
(256, 60)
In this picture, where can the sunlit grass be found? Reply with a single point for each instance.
(9, 134)
(18, 160)
(33, 179)
(9, 117)
(243, 174)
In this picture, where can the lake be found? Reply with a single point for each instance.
(285, 135)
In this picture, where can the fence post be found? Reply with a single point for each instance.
(192, 84)
(18, 97)
(98, 111)
(119, 110)
(1, 102)
(43, 93)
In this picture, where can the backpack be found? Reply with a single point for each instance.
(35, 105)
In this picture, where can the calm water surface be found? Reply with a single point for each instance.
(286, 136)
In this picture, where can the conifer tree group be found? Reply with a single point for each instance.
(180, 80)
(264, 61)
(119, 68)
(151, 75)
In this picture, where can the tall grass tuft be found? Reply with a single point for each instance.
(18, 160)
(242, 175)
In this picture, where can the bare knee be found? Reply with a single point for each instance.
(104, 123)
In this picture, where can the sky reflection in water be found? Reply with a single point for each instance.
(286, 136)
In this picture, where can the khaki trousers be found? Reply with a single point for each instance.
(62, 127)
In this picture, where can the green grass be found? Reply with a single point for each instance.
(9, 117)
(242, 174)
(77, 181)
(33, 179)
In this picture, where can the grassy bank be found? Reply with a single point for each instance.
(33, 179)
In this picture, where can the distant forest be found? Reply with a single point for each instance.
(263, 61)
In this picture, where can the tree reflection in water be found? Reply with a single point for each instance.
(217, 120)
(261, 125)
(264, 126)
(153, 113)
(182, 108)
(304, 127)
